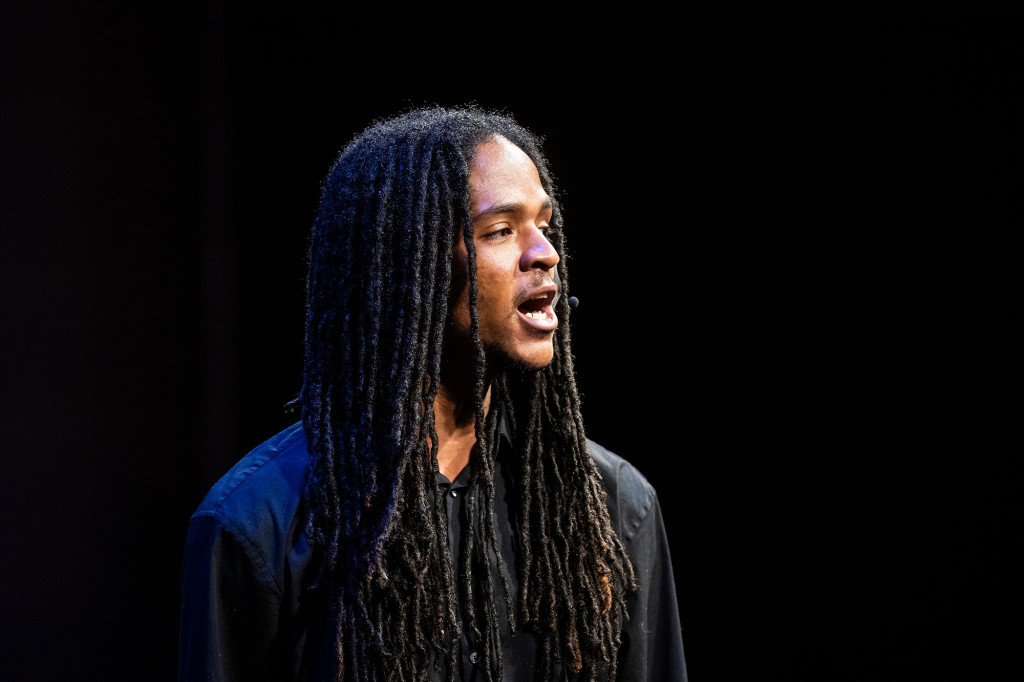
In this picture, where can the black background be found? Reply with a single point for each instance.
(794, 243)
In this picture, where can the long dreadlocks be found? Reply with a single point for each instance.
(378, 291)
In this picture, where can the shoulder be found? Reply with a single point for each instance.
(261, 493)
(631, 497)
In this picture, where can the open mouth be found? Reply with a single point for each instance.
(538, 308)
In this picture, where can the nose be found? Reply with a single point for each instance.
(538, 252)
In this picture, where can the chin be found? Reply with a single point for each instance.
(509, 359)
(535, 362)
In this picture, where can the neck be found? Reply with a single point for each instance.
(455, 422)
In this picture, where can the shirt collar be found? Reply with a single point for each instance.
(502, 446)
(504, 431)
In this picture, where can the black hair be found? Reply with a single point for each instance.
(378, 292)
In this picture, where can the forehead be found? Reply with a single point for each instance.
(501, 172)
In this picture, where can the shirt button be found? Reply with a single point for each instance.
(456, 494)
(474, 657)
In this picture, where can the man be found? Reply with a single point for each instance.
(438, 512)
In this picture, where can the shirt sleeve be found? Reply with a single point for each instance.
(229, 608)
(653, 641)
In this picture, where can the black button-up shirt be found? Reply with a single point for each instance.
(519, 650)
(248, 613)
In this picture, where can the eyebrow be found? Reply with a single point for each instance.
(508, 207)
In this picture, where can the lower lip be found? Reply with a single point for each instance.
(547, 324)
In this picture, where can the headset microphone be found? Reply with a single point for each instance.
(573, 301)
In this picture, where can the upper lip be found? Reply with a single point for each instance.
(548, 292)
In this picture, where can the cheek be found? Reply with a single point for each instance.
(494, 273)
(495, 278)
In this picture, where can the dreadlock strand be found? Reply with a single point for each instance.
(503, 576)
(437, 276)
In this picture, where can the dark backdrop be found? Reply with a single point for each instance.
(794, 245)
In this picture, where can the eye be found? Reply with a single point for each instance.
(499, 232)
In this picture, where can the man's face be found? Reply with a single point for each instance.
(514, 259)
